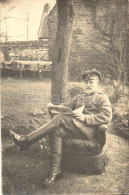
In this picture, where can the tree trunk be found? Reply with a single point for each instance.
(60, 73)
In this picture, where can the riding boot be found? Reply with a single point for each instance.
(24, 141)
(56, 157)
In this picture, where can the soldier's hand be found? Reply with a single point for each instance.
(80, 116)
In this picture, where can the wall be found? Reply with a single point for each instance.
(96, 25)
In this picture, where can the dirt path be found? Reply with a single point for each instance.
(23, 109)
(24, 172)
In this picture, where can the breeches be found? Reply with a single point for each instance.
(68, 129)
(62, 125)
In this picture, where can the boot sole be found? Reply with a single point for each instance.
(20, 148)
(14, 141)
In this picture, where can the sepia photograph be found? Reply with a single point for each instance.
(64, 97)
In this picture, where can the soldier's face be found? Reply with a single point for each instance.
(91, 86)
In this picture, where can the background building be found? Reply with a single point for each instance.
(99, 36)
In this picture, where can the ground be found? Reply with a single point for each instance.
(23, 110)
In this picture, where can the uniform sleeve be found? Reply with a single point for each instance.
(104, 116)
(72, 103)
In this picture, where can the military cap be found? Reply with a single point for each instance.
(91, 75)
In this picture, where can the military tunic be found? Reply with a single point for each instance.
(97, 110)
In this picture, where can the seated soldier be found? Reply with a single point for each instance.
(95, 111)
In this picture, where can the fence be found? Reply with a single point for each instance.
(22, 69)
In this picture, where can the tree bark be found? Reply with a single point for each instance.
(60, 73)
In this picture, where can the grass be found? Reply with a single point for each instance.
(23, 110)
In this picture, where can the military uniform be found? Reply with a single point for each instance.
(97, 111)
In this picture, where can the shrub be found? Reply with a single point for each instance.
(117, 93)
(75, 89)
